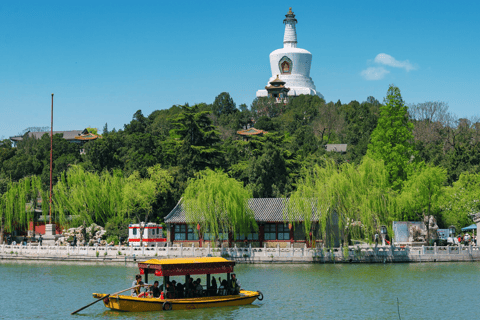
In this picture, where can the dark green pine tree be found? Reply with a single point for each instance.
(197, 140)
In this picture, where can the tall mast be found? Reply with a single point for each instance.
(51, 160)
(290, 36)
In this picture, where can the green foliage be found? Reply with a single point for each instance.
(116, 227)
(88, 196)
(196, 140)
(223, 104)
(359, 197)
(217, 202)
(19, 201)
(421, 193)
(392, 139)
(115, 240)
(460, 201)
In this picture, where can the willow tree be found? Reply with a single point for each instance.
(422, 193)
(81, 196)
(217, 203)
(358, 197)
(139, 195)
(18, 203)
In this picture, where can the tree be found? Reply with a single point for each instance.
(218, 203)
(461, 200)
(93, 197)
(391, 141)
(359, 197)
(421, 194)
(197, 140)
(139, 195)
(223, 105)
(18, 203)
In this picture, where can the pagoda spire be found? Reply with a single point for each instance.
(290, 37)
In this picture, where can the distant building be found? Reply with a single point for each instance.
(249, 132)
(341, 148)
(291, 64)
(77, 136)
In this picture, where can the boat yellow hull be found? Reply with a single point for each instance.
(135, 304)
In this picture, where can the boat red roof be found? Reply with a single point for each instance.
(184, 266)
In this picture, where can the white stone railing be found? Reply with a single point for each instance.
(262, 253)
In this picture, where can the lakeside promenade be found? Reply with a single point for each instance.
(354, 254)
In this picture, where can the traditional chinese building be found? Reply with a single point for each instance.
(250, 132)
(270, 216)
(291, 64)
(277, 90)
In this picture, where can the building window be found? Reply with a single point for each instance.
(180, 230)
(270, 231)
(283, 232)
(134, 231)
(192, 235)
(250, 236)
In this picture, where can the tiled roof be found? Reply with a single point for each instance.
(264, 209)
(336, 147)
(67, 135)
(251, 131)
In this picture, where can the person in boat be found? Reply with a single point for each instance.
(170, 294)
(139, 283)
(213, 287)
(234, 285)
(198, 288)
(155, 290)
(222, 291)
(190, 288)
(179, 291)
(174, 288)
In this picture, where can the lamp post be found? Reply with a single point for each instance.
(383, 231)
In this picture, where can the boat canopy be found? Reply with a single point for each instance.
(184, 266)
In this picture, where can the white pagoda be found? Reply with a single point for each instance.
(291, 64)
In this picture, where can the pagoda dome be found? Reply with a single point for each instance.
(292, 64)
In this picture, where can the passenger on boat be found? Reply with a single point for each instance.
(213, 287)
(179, 291)
(138, 281)
(199, 288)
(170, 294)
(155, 290)
(190, 288)
(234, 285)
(222, 291)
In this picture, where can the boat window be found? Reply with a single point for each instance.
(270, 231)
(283, 232)
(180, 230)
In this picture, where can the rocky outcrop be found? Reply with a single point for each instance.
(85, 236)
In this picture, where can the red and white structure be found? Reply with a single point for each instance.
(152, 234)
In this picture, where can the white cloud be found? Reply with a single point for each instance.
(386, 59)
(374, 73)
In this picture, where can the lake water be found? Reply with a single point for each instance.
(52, 290)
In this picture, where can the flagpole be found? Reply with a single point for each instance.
(51, 160)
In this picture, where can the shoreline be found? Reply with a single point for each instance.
(245, 255)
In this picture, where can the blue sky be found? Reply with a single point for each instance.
(104, 60)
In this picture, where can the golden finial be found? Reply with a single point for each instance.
(290, 10)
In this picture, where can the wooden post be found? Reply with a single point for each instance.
(146, 275)
(208, 283)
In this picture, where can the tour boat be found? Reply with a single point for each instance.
(181, 267)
